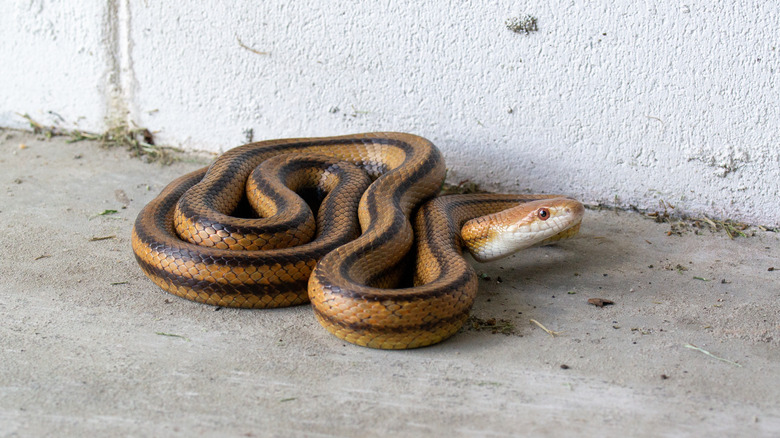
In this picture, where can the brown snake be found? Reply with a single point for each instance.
(349, 261)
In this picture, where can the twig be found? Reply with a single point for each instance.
(549, 332)
(693, 347)
(244, 46)
(95, 239)
(712, 224)
(172, 335)
(656, 119)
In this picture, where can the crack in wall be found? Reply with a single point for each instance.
(119, 77)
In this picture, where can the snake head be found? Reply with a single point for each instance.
(537, 222)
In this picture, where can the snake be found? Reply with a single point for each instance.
(329, 221)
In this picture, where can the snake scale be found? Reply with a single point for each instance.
(238, 234)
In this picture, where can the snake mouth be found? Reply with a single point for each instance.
(546, 222)
(567, 233)
(534, 223)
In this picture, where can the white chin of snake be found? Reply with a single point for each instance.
(517, 237)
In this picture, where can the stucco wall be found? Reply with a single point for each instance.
(620, 102)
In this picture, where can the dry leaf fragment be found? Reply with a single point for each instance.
(600, 302)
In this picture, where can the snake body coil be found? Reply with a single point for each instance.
(188, 243)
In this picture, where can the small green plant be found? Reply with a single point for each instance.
(139, 141)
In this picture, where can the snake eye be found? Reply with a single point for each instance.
(543, 214)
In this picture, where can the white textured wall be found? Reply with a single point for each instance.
(616, 101)
(53, 63)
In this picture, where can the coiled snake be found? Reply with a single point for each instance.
(349, 261)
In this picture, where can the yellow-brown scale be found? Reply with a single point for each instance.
(250, 278)
(343, 285)
(445, 284)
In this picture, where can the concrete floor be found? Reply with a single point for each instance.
(89, 346)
